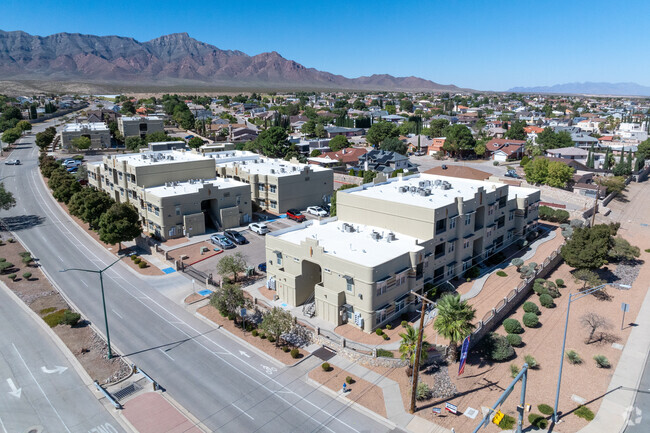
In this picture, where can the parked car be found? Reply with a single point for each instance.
(12, 162)
(235, 236)
(261, 267)
(71, 163)
(294, 214)
(221, 241)
(326, 208)
(317, 210)
(72, 169)
(259, 228)
(512, 173)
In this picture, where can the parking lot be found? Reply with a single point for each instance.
(254, 251)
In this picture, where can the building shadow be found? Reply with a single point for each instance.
(168, 346)
(22, 222)
(488, 384)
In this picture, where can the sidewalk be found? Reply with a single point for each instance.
(617, 405)
(151, 412)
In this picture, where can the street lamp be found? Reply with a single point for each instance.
(101, 283)
(575, 297)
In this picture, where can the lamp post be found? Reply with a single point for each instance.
(575, 297)
(101, 284)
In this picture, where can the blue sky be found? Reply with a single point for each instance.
(485, 45)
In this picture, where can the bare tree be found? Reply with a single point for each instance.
(592, 322)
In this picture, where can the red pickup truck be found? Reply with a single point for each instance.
(294, 214)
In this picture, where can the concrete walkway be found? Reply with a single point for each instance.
(618, 403)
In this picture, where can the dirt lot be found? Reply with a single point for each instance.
(42, 297)
(211, 313)
(361, 391)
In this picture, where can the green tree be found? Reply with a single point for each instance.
(587, 277)
(24, 125)
(408, 346)
(81, 143)
(391, 109)
(309, 128)
(320, 131)
(159, 136)
(516, 130)
(622, 250)
(359, 105)
(380, 131)
(273, 142)
(406, 105)
(437, 127)
(229, 299)
(120, 223)
(589, 247)
(559, 174)
(314, 153)
(10, 136)
(134, 143)
(339, 142)
(454, 321)
(45, 138)
(393, 144)
(195, 142)
(536, 171)
(89, 205)
(233, 264)
(7, 200)
(459, 139)
(128, 108)
(277, 322)
(643, 150)
(480, 148)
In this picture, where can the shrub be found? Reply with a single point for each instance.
(542, 423)
(11, 240)
(404, 323)
(512, 326)
(137, 260)
(27, 257)
(231, 316)
(472, 273)
(349, 380)
(27, 275)
(507, 423)
(584, 412)
(142, 265)
(573, 357)
(385, 353)
(70, 318)
(133, 257)
(530, 320)
(295, 353)
(547, 301)
(502, 274)
(602, 361)
(47, 310)
(12, 276)
(514, 340)
(5, 266)
(54, 318)
(388, 327)
(271, 339)
(647, 250)
(255, 332)
(498, 348)
(531, 307)
(384, 336)
(325, 366)
(517, 262)
(514, 370)
(534, 419)
(540, 289)
(378, 331)
(285, 349)
(545, 409)
(2, 259)
(532, 362)
(422, 392)
(495, 163)
(559, 282)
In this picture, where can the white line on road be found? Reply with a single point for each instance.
(3, 426)
(166, 354)
(233, 405)
(84, 283)
(117, 314)
(41, 389)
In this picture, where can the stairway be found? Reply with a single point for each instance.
(309, 307)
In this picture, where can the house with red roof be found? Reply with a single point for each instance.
(503, 149)
(346, 156)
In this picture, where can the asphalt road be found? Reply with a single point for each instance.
(220, 381)
(39, 389)
(638, 422)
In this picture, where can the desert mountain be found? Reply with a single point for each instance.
(588, 88)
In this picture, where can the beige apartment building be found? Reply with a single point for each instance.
(175, 192)
(139, 126)
(98, 132)
(392, 238)
(276, 185)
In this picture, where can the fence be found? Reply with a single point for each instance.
(493, 318)
(58, 113)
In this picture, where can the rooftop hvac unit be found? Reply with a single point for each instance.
(413, 189)
(272, 171)
(375, 235)
(422, 183)
(423, 192)
(437, 182)
(390, 237)
(402, 189)
(446, 185)
(348, 228)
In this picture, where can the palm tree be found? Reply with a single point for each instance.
(408, 346)
(454, 321)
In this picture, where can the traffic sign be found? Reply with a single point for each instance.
(498, 417)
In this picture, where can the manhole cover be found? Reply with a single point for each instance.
(127, 391)
(324, 353)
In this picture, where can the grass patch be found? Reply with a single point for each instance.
(507, 423)
(385, 353)
(502, 274)
(584, 412)
(545, 409)
(47, 310)
(54, 318)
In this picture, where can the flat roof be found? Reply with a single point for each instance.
(436, 196)
(191, 187)
(254, 163)
(158, 158)
(357, 246)
(92, 126)
(138, 118)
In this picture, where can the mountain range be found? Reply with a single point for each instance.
(589, 88)
(175, 59)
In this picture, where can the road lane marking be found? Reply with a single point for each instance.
(15, 391)
(84, 283)
(57, 369)
(166, 354)
(233, 405)
(3, 426)
(41, 389)
(117, 314)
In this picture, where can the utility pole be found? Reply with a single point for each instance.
(593, 214)
(418, 353)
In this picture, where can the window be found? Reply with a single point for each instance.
(440, 250)
(399, 305)
(156, 210)
(178, 210)
(261, 187)
(468, 219)
(466, 244)
(501, 221)
(238, 200)
(441, 226)
(502, 202)
(296, 259)
(452, 222)
(149, 207)
(511, 215)
(450, 270)
(119, 174)
(121, 191)
(278, 258)
(509, 236)
(451, 247)
(273, 204)
(226, 194)
(467, 264)
(327, 271)
(349, 285)
(490, 209)
(381, 287)
(272, 188)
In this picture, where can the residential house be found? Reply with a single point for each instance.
(503, 149)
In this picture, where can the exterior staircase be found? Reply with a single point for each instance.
(309, 307)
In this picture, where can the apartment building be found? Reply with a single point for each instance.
(139, 126)
(98, 132)
(176, 191)
(392, 238)
(276, 185)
